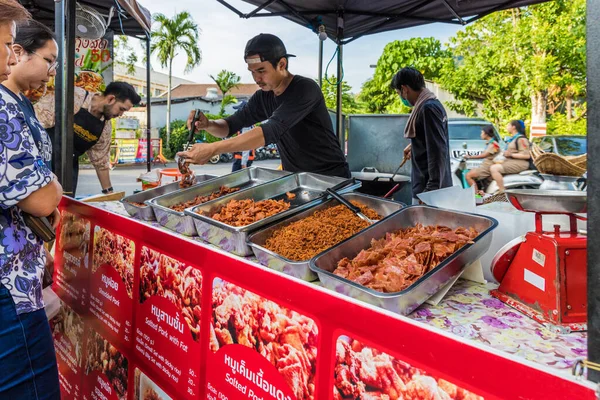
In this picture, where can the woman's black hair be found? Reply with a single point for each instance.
(519, 126)
(491, 132)
(33, 35)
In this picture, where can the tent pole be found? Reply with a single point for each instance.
(149, 152)
(320, 63)
(338, 110)
(62, 141)
(340, 76)
(593, 129)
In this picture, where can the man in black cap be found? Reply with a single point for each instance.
(296, 114)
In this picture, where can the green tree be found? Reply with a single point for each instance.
(512, 62)
(170, 36)
(124, 53)
(226, 81)
(350, 105)
(425, 54)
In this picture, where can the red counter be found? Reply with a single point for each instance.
(152, 315)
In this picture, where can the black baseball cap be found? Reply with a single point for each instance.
(268, 47)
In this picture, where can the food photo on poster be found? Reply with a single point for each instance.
(167, 333)
(365, 372)
(287, 340)
(146, 389)
(67, 331)
(72, 260)
(106, 368)
(166, 277)
(111, 286)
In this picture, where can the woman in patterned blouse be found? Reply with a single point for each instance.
(27, 359)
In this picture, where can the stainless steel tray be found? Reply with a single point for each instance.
(309, 190)
(301, 269)
(409, 299)
(551, 201)
(147, 213)
(183, 224)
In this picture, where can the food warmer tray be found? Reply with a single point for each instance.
(146, 213)
(301, 269)
(407, 300)
(308, 188)
(548, 201)
(183, 224)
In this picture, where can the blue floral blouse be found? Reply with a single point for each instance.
(23, 170)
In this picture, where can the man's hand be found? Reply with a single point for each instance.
(201, 123)
(55, 218)
(200, 153)
(407, 151)
(508, 154)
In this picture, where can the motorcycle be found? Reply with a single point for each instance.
(525, 180)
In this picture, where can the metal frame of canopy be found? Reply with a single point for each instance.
(132, 20)
(310, 17)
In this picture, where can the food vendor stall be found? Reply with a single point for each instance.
(84, 31)
(205, 293)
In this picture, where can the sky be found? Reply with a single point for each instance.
(223, 36)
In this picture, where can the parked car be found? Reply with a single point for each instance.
(563, 145)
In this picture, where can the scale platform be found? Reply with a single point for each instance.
(543, 274)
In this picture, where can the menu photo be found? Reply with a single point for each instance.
(259, 349)
(111, 286)
(106, 369)
(365, 372)
(146, 389)
(168, 321)
(72, 261)
(67, 331)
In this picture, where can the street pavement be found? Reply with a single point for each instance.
(124, 178)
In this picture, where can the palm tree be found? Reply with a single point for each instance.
(226, 80)
(170, 36)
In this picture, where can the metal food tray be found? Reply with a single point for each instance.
(301, 269)
(407, 300)
(548, 201)
(309, 189)
(183, 224)
(147, 213)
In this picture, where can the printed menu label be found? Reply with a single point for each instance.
(168, 321)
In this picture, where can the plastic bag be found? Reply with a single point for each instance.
(149, 179)
(52, 303)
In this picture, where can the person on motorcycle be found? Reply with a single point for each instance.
(493, 148)
(295, 110)
(517, 154)
(242, 159)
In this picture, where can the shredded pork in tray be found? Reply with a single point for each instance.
(396, 261)
(224, 190)
(303, 239)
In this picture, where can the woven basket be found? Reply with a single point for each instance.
(498, 197)
(553, 164)
(536, 151)
(580, 161)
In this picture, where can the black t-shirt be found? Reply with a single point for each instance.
(298, 122)
(430, 149)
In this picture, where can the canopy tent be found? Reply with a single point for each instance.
(129, 18)
(362, 17)
(347, 20)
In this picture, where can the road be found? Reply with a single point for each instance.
(124, 178)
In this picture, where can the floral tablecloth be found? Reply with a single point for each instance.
(469, 311)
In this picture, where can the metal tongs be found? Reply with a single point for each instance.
(352, 207)
(189, 178)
